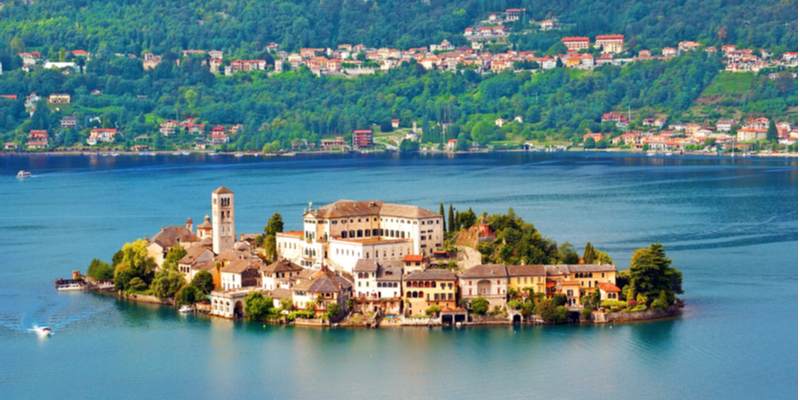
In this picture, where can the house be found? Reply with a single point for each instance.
(613, 117)
(239, 274)
(59, 98)
(518, 118)
(626, 139)
(691, 129)
(487, 281)
(609, 291)
(725, 125)
(546, 25)
(413, 262)
(69, 122)
(590, 275)
(426, 288)
(198, 258)
(248, 65)
(748, 134)
(521, 277)
(377, 287)
(150, 61)
(10, 146)
(215, 54)
(38, 138)
(688, 46)
(645, 54)
(324, 289)
(559, 281)
(659, 122)
(451, 145)
(500, 122)
(160, 244)
(610, 43)
(30, 58)
(31, 100)
(362, 138)
(218, 135)
(444, 46)
(167, 127)
(758, 123)
(669, 52)
(576, 43)
(331, 144)
(596, 136)
(648, 122)
(280, 274)
(513, 14)
(8, 96)
(395, 123)
(70, 66)
(101, 135)
(96, 92)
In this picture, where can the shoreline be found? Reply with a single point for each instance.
(313, 153)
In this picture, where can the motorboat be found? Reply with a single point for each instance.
(184, 153)
(186, 309)
(669, 153)
(651, 153)
(239, 154)
(42, 330)
(114, 154)
(70, 287)
(23, 174)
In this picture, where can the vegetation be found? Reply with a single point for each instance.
(259, 307)
(550, 311)
(100, 271)
(173, 256)
(189, 295)
(480, 306)
(203, 281)
(133, 263)
(650, 274)
(274, 226)
(433, 311)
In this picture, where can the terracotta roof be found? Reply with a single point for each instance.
(431, 274)
(390, 274)
(332, 284)
(526, 270)
(282, 265)
(486, 271)
(413, 258)
(608, 287)
(222, 190)
(349, 208)
(239, 266)
(193, 254)
(206, 266)
(172, 235)
(280, 293)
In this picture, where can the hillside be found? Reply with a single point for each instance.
(126, 26)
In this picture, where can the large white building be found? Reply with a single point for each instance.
(341, 233)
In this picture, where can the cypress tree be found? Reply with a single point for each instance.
(441, 212)
(772, 132)
(588, 254)
(458, 221)
(451, 219)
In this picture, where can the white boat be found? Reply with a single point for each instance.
(651, 153)
(185, 153)
(212, 154)
(70, 286)
(142, 154)
(114, 154)
(177, 153)
(23, 174)
(239, 154)
(669, 153)
(42, 330)
(186, 309)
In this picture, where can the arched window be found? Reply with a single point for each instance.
(352, 234)
(344, 234)
(359, 233)
(408, 294)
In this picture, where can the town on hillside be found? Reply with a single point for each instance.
(370, 262)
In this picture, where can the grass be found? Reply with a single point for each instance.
(729, 84)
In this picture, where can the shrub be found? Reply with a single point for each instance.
(559, 299)
(480, 306)
(562, 314)
(515, 304)
(334, 309)
(100, 271)
(614, 303)
(433, 310)
(631, 303)
(640, 307)
(586, 313)
(136, 285)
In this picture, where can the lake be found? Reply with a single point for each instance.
(731, 226)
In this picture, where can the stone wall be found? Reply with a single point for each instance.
(489, 320)
(672, 311)
(142, 298)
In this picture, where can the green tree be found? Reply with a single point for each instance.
(433, 310)
(651, 272)
(588, 254)
(191, 98)
(189, 295)
(451, 219)
(167, 283)
(286, 304)
(772, 132)
(444, 220)
(134, 256)
(589, 143)
(136, 284)
(100, 271)
(273, 227)
(176, 252)
(203, 281)
(480, 306)
(257, 306)
(17, 46)
(333, 310)
(559, 299)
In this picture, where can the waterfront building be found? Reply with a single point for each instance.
(609, 291)
(229, 304)
(222, 214)
(521, 277)
(590, 275)
(279, 275)
(487, 281)
(377, 287)
(341, 233)
(324, 288)
(159, 244)
(427, 288)
(197, 258)
(362, 138)
(241, 273)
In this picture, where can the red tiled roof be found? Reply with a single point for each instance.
(608, 287)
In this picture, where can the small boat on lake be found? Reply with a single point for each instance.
(239, 154)
(651, 153)
(114, 154)
(186, 309)
(669, 153)
(42, 331)
(23, 174)
(66, 287)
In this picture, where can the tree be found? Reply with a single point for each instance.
(589, 143)
(772, 132)
(189, 295)
(173, 256)
(191, 98)
(134, 257)
(407, 146)
(286, 304)
(100, 271)
(650, 273)
(333, 310)
(451, 219)
(444, 220)
(17, 46)
(480, 306)
(273, 227)
(136, 284)
(588, 254)
(203, 281)
(433, 310)
(559, 299)
(167, 283)
(386, 126)
(257, 307)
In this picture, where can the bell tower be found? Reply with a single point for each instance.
(222, 217)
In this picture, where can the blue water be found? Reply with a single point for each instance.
(730, 225)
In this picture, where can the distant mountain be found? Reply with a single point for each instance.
(129, 26)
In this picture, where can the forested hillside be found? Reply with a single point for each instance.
(129, 26)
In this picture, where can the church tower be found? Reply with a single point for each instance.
(222, 217)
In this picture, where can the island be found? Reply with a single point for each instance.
(371, 264)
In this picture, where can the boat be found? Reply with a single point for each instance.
(177, 153)
(184, 153)
(651, 153)
(239, 154)
(142, 154)
(42, 330)
(669, 153)
(212, 154)
(114, 154)
(23, 174)
(186, 309)
(70, 286)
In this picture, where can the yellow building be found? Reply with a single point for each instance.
(526, 276)
(425, 288)
(590, 275)
(59, 98)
